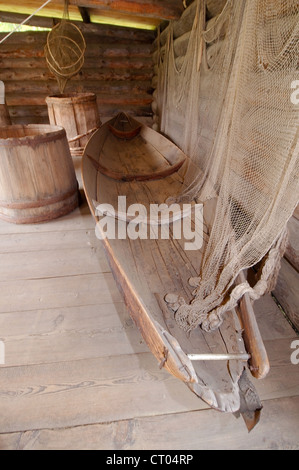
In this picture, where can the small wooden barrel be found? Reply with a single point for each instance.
(78, 114)
(4, 116)
(37, 176)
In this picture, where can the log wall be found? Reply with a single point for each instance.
(181, 33)
(118, 68)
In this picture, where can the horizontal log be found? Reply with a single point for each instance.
(39, 115)
(102, 74)
(41, 111)
(92, 50)
(180, 46)
(170, 10)
(46, 87)
(39, 38)
(142, 99)
(143, 9)
(89, 62)
(25, 111)
(30, 120)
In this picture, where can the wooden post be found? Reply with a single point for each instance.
(4, 114)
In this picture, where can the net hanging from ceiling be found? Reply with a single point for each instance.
(234, 89)
(65, 50)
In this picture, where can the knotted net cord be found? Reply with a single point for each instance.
(233, 89)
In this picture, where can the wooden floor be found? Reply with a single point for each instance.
(77, 374)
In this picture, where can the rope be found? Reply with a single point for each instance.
(25, 21)
(186, 314)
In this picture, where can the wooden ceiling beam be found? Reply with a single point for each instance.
(166, 9)
(17, 18)
(100, 29)
(85, 15)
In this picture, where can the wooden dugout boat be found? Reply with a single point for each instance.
(126, 158)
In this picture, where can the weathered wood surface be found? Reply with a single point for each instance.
(78, 114)
(296, 213)
(155, 9)
(37, 177)
(181, 30)
(181, 33)
(287, 291)
(144, 279)
(117, 68)
(292, 252)
(78, 375)
(165, 433)
(259, 361)
(287, 288)
(94, 28)
(5, 119)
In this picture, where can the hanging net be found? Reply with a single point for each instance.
(236, 90)
(65, 50)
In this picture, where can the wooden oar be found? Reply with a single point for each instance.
(258, 362)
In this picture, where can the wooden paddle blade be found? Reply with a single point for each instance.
(259, 362)
(250, 405)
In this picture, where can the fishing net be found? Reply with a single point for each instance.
(65, 50)
(234, 92)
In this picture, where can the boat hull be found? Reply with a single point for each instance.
(147, 269)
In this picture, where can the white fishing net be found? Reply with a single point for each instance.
(234, 89)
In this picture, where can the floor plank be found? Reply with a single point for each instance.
(69, 333)
(78, 219)
(202, 430)
(67, 291)
(78, 374)
(89, 391)
(52, 263)
(44, 241)
(101, 390)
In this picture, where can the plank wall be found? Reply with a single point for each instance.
(287, 288)
(118, 68)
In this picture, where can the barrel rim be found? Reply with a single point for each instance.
(71, 98)
(48, 134)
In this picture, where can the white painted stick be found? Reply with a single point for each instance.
(2, 93)
(219, 357)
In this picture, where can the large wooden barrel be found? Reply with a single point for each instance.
(37, 176)
(78, 114)
(4, 116)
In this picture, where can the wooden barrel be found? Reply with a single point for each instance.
(4, 116)
(78, 114)
(37, 176)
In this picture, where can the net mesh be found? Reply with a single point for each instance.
(234, 90)
(65, 50)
